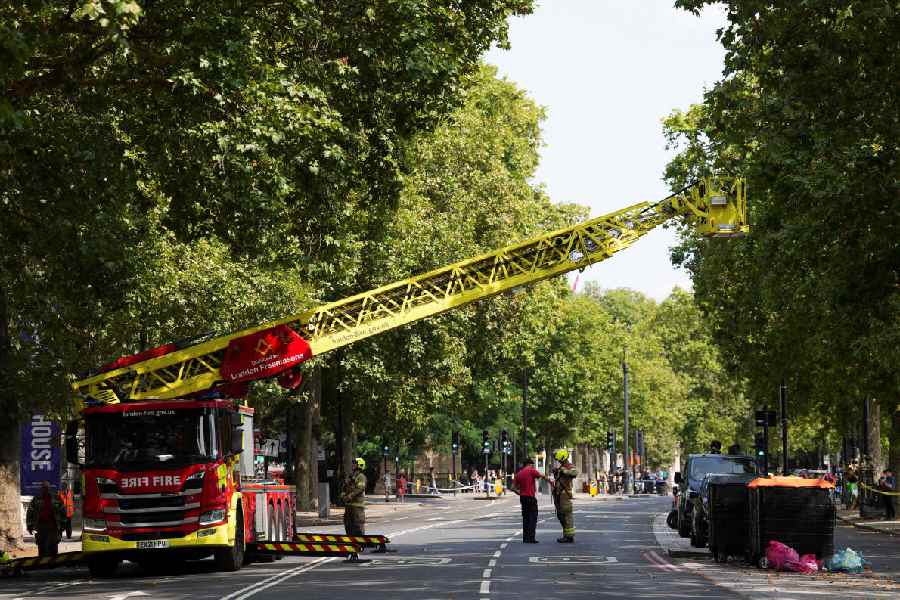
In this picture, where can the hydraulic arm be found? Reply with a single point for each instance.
(714, 207)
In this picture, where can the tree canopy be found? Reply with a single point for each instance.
(808, 112)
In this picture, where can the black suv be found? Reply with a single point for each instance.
(697, 467)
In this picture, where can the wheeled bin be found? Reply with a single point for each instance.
(794, 511)
(728, 511)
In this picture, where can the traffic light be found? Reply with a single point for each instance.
(485, 442)
(759, 442)
(504, 441)
(610, 441)
(455, 443)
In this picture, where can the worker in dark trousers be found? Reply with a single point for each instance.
(354, 499)
(68, 502)
(563, 476)
(44, 517)
(524, 484)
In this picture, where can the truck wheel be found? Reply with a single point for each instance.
(232, 559)
(103, 566)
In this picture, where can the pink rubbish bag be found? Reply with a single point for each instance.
(779, 555)
(806, 564)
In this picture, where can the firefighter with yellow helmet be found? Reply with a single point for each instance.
(563, 476)
(354, 498)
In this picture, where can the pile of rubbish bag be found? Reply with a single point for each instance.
(846, 561)
(784, 558)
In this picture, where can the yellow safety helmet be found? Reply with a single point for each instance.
(561, 454)
(360, 464)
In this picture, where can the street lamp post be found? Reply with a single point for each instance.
(525, 416)
(626, 474)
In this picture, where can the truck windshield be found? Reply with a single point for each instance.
(152, 438)
(725, 465)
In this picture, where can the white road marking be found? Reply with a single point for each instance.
(485, 587)
(492, 562)
(268, 582)
(503, 546)
(497, 554)
(659, 562)
(486, 574)
(573, 560)
(128, 595)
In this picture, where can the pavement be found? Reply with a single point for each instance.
(877, 524)
(459, 548)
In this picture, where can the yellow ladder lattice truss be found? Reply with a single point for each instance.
(713, 207)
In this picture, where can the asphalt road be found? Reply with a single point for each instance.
(462, 549)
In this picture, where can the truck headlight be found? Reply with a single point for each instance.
(212, 516)
(93, 524)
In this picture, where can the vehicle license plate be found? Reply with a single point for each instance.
(148, 544)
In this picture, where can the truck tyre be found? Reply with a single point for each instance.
(103, 566)
(232, 559)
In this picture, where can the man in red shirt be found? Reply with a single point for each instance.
(524, 486)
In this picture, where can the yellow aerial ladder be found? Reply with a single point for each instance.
(714, 207)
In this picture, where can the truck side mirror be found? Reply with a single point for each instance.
(678, 478)
(237, 434)
(72, 442)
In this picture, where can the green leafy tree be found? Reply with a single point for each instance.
(807, 111)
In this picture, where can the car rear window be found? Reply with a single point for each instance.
(703, 466)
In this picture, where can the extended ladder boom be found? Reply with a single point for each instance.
(715, 208)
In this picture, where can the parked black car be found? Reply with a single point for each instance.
(696, 468)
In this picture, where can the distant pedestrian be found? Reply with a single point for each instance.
(715, 447)
(401, 487)
(524, 485)
(432, 481)
(44, 516)
(852, 479)
(888, 484)
(68, 502)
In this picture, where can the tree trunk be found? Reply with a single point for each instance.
(348, 434)
(875, 436)
(895, 448)
(304, 457)
(10, 502)
(315, 435)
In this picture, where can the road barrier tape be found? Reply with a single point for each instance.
(40, 562)
(473, 488)
(877, 491)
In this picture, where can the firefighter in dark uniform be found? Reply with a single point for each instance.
(563, 475)
(44, 516)
(354, 499)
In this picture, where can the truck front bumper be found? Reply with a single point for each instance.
(210, 537)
